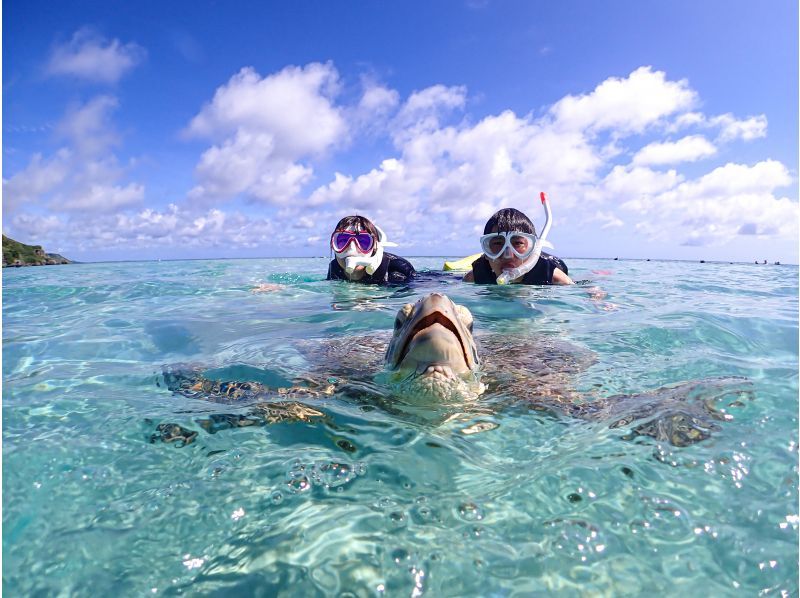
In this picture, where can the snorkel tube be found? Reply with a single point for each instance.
(352, 258)
(509, 275)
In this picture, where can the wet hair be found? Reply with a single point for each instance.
(509, 219)
(357, 223)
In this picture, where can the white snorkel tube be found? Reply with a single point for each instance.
(352, 258)
(509, 275)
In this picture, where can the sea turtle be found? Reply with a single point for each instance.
(433, 365)
(433, 355)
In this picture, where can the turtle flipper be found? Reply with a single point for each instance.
(680, 414)
(173, 433)
(267, 405)
(191, 382)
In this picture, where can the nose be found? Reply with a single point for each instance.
(507, 253)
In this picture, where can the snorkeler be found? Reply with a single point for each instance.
(358, 245)
(512, 252)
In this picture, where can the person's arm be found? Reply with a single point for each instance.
(560, 278)
(469, 277)
(267, 287)
(400, 270)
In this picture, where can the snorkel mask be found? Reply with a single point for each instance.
(355, 247)
(496, 244)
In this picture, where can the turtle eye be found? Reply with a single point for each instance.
(465, 316)
(402, 315)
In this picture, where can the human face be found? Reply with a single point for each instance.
(507, 250)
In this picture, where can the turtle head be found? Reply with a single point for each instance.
(432, 346)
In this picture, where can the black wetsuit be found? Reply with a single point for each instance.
(541, 273)
(393, 269)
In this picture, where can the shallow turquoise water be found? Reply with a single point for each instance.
(368, 501)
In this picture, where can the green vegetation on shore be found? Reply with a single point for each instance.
(19, 254)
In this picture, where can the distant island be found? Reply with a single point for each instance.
(16, 254)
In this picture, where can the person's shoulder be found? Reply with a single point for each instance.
(469, 277)
(399, 263)
(559, 277)
(335, 271)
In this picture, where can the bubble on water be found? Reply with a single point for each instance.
(298, 482)
(576, 539)
(469, 511)
(398, 518)
(385, 502)
(333, 474)
(276, 498)
(400, 555)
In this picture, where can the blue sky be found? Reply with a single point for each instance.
(208, 129)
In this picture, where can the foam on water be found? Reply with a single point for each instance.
(368, 500)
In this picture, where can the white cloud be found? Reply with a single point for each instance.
(731, 128)
(378, 99)
(101, 198)
(435, 179)
(424, 110)
(714, 208)
(84, 175)
(89, 56)
(172, 227)
(625, 106)
(39, 177)
(374, 110)
(295, 106)
(88, 127)
(763, 177)
(247, 164)
(688, 149)
(265, 126)
(623, 182)
(606, 219)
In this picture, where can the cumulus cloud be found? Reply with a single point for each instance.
(98, 197)
(88, 128)
(424, 109)
(170, 227)
(606, 220)
(638, 181)
(40, 177)
(89, 56)
(763, 177)
(626, 106)
(247, 163)
(688, 149)
(374, 110)
(712, 209)
(460, 172)
(263, 128)
(82, 176)
(610, 159)
(378, 99)
(730, 128)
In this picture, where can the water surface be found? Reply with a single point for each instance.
(369, 501)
